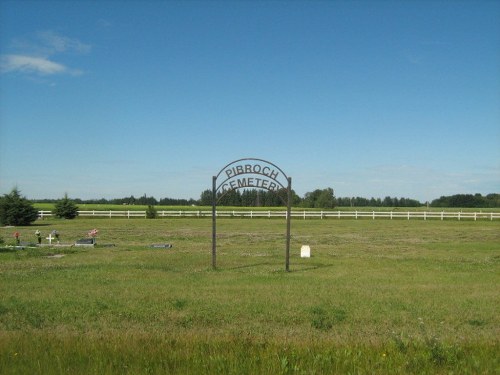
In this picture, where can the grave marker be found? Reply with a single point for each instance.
(161, 246)
(85, 242)
(305, 251)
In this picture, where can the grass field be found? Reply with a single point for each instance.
(376, 297)
(117, 207)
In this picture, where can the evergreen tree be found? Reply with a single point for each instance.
(206, 198)
(66, 208)
(16, 210)
(151, 212)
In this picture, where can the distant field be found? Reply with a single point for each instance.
(119, 207)
(377, 297)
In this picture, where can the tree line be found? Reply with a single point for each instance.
(468, 200)
(319, 198)
(377, 202)
(141, 201)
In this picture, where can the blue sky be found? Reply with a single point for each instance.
(107, 99)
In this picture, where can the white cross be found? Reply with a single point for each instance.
(50, 238)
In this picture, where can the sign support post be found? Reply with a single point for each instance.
(288, 220)
(214, 222)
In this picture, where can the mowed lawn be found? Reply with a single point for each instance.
(376, 297)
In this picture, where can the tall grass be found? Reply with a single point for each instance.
(376, 297)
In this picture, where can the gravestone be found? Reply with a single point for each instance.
(305, 251)
(27, 244)
(161, 246)
(85, 242)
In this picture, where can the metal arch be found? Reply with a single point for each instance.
(217, 188)
(288, 209)
(255, 159)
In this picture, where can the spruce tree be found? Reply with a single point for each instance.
(66, 208)
(16, 210)
(151, 212)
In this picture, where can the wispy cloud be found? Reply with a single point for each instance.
(30, 64)
(37, 55)
(55, 43)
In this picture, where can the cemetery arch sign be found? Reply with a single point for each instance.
(251, 173)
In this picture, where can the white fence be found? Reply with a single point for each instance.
(441, 215)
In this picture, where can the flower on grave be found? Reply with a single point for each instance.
(93, 233)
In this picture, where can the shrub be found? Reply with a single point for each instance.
(151, 212)
(16, 210)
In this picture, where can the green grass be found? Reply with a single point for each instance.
(376, 297)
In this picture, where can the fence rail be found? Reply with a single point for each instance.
(441, 215)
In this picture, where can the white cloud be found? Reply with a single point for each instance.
(55, 43)
(35, 55)
(30, 64)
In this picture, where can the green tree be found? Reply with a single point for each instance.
(66, 208)
(319, 198)
(16, 210)
(465, 200)
(151, 212)
(206, 198)
(249, 198)
(493, 200)
(325, 199)
(145, 200)
(230, 198)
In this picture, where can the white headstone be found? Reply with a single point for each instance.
(305, 251)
